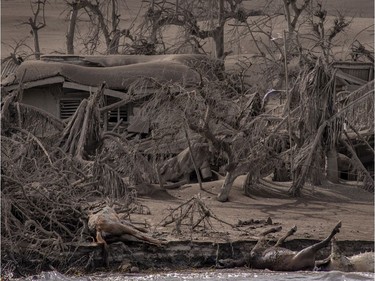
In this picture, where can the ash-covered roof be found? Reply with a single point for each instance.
(118, 71)
(8, 67)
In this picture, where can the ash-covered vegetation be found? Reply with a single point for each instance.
(54, 172)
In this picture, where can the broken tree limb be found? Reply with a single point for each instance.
(359, 136)
(42, 212)
(191, 214)
(91, 123)
(82, 134)
(39, 143)
(141, 164)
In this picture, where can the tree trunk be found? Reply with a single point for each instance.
(115, 42)
(36, 43)
(218, 35)
(71, 31)
(116, 34)
(227, 185)
(317, 168)
(332, 166)
(249, 181)
(219, 42)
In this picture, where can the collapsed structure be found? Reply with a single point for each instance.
(58, 83)
(45, 178)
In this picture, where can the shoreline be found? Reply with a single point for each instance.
(185, 255)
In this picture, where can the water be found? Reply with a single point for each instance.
(220, 275)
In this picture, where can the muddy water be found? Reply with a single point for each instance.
(240, 275)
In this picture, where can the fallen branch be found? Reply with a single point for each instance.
(192, 213)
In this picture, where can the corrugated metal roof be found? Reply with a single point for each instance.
(361, 70)
(9, 66)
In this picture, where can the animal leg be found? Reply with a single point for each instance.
(99, 238)
(335, 250)
(289, 233)
(105, 254)
(105, 248)
(118, 229)
(271, 230)
(321, 263)
(262, 243)
(230, 263)
(139, 235)
(310, 251)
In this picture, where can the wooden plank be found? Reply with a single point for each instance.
(42, 82)
(350, 78)
(113, 93)
(107, 92)
(353, 65)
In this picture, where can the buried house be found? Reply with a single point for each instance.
(58, 83)
(353, 79)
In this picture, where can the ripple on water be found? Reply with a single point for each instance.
(210, 275)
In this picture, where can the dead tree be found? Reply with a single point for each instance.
(75, 6)
(292, 12)
(38, 9)
(324, 36)
(104, 19)
(186, 14)
(230, 122)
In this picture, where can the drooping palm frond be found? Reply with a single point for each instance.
(81, 136)
(126, 160)
(315, 94)
(358, 107)
(109, 182)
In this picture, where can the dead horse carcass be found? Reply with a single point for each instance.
(265, 256)
(363, 262)
(109, 229)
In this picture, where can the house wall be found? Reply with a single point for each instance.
(57, 101)
(46, 98)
